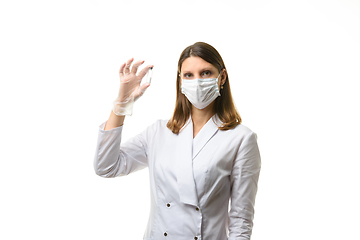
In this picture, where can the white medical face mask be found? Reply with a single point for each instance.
(200, 92)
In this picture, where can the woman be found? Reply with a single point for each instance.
(197, 161)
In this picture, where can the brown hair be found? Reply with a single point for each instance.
(224, 106)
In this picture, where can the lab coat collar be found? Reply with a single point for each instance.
(205, 134)
(185, 177)
(187, 149)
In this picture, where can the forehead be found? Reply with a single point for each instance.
(195, 63)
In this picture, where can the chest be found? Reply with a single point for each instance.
(208, 164)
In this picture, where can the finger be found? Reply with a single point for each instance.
(127, 66)
(136, 66)
(144, 71)
(121, 71)
(143, 88)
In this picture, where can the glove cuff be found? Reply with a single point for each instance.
(123, 107)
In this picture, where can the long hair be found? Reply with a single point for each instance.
(224, 106)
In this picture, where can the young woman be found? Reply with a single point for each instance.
(198, 160)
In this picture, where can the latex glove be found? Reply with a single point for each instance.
(130, 89)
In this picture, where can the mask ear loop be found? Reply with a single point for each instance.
(221, 86)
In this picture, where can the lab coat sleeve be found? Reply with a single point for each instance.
(113, 158)
(244, 180)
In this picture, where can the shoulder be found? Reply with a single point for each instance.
(158, 125)
(240, 131)
(152, 130)
(241, 128)
(244, 131)
(239, 137)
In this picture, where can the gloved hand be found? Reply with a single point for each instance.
(130, 89)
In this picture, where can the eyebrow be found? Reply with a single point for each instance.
(202, 70)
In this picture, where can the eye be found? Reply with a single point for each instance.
(187, 75)
(206, 73)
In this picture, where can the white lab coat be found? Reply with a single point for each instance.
(191, 180)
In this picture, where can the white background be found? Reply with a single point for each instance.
(294, 72)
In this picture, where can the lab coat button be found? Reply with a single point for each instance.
(165, 234)
(195, 238)
(168, 205)
(197, 209)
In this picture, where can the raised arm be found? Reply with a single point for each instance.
(111, 160)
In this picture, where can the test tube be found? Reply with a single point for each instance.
(149, 75)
